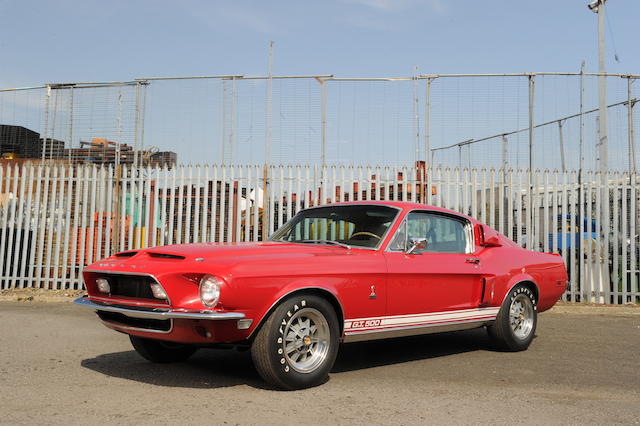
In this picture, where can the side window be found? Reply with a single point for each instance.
(444, 234)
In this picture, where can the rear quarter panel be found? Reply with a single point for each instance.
(508, 265)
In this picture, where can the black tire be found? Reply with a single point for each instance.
(160, 351)
(516, 337)
(284, 352)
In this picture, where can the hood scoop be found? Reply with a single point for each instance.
(126, 254)
(165, 256)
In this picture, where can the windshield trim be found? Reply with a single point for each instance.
(383, 236)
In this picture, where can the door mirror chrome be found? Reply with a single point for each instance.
(415, 245)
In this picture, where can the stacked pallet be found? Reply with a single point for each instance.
(101, 151)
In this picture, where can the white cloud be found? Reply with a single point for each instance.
(382, 4)
(399, 5)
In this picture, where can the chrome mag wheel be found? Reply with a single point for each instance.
(298, 344)
(521, 316)
(306, 340)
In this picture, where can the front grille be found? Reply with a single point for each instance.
(136, 286)
(143, 323)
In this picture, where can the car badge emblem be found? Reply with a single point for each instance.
(373, 292)
(199, 259)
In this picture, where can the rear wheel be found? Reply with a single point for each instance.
(515, 325)
(160, 351)
(297, 345)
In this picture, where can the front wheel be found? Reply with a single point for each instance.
(160, 351)
(297, 345)
(515, 325)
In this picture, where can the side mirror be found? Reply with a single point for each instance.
(487, 237)
(416, 244)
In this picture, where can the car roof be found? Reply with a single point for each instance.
(403, 205)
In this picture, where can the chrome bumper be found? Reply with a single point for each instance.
(159, 313)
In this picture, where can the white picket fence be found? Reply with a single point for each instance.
(56, 219)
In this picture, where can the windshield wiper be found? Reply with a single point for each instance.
(331, 242)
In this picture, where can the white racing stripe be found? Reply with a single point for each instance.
(398, 321)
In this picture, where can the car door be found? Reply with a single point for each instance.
(445, 276)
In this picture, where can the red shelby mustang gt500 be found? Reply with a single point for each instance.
(337, 273)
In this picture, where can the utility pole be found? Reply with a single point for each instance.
(597, 6)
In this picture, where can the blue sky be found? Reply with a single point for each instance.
(68, 40)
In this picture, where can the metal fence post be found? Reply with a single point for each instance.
(505, 153)
(633, 180)
(416, 118)
(234, 120)
(223, 124)
(427, 142)
(561, 139)
(47, 97)
(530, 215)
(136, 153)
(71, 100)
(266, 225)
(323, 121)
(630, 128)
(143, 112)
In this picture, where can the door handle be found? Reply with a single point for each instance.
(473, 260)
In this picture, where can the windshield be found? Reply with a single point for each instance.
(353, 225)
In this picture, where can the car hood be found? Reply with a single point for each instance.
(229, 254)
(270, 249)
(237, 260)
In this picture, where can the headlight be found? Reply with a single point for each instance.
(103, 285)
(210, 290)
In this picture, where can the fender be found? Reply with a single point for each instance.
(295, 288)
(517, 279)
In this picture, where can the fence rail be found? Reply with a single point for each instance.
(56, 219)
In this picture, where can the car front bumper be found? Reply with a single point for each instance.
(158, 313)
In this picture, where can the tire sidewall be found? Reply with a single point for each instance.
(275, 338)
(513, 294)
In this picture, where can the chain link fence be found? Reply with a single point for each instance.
(538, 120)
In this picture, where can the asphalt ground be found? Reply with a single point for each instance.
(59, 365)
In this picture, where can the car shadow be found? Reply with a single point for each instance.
(218, 368)
(207, 368)
(378, 353)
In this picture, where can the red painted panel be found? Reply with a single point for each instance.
(431, 282)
